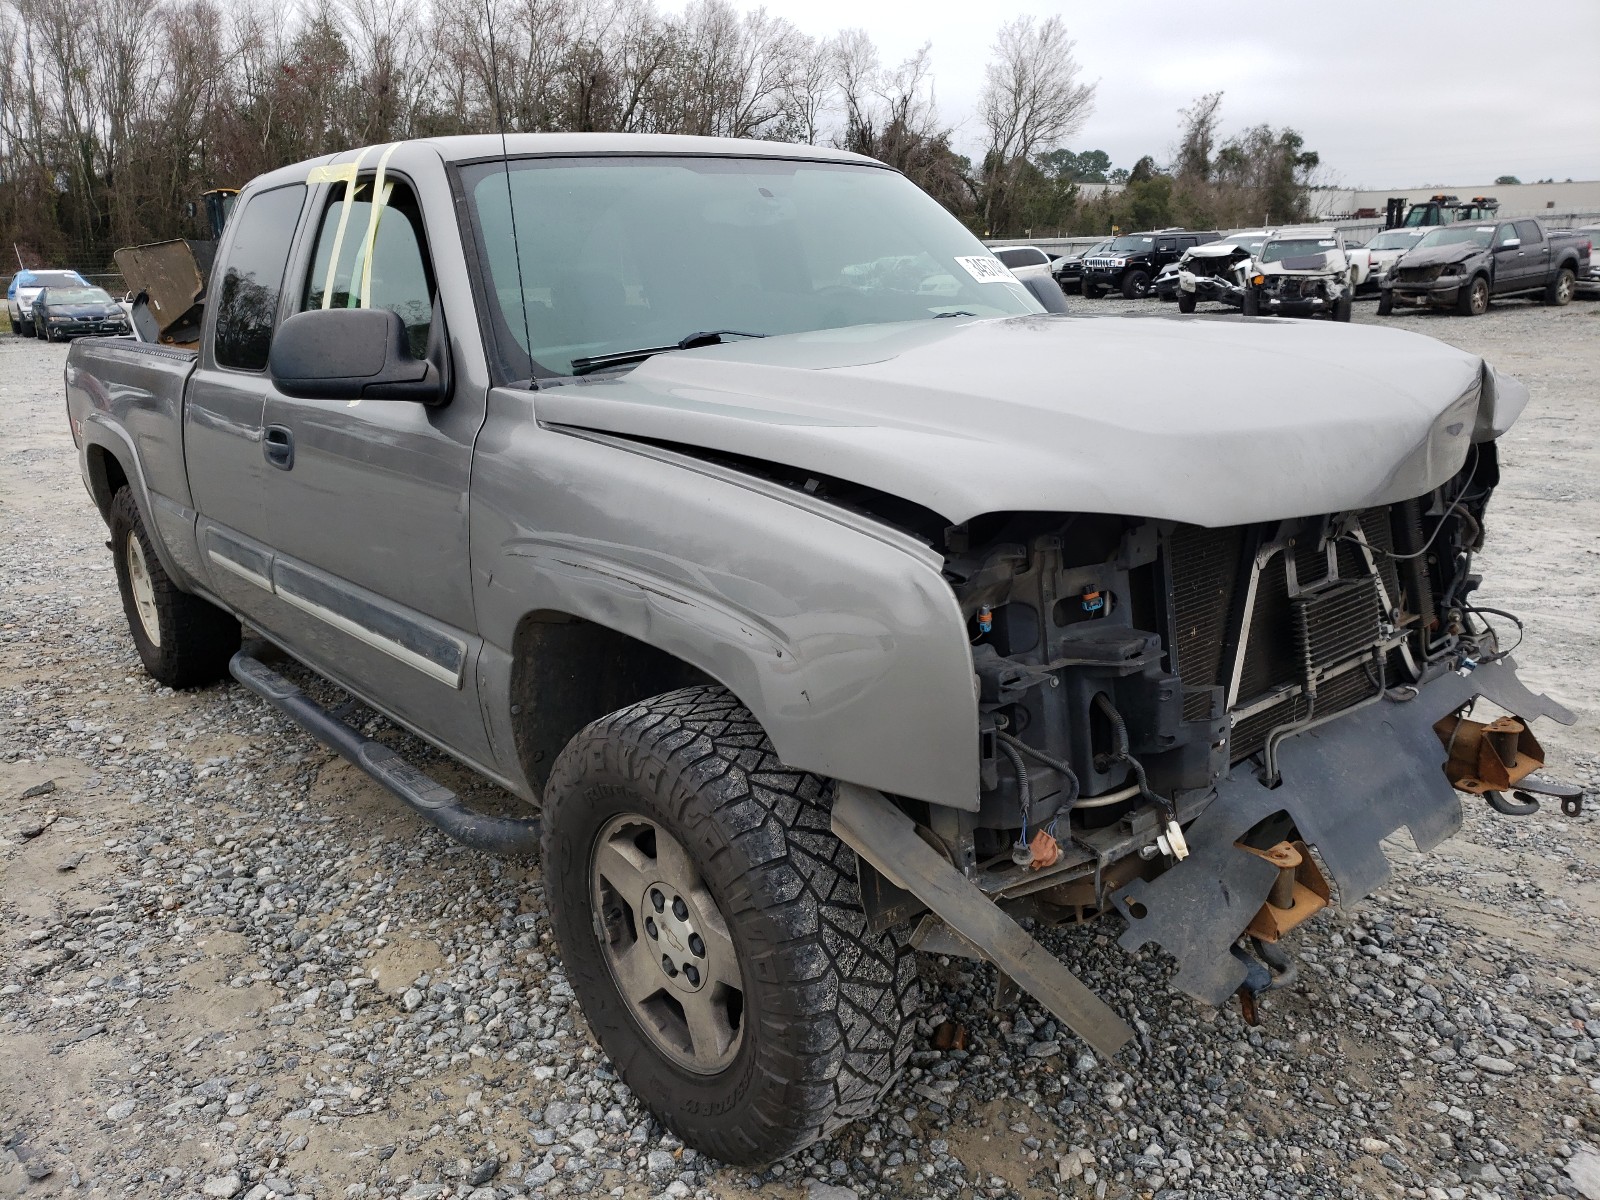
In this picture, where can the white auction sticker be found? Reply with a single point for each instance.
(986, 268)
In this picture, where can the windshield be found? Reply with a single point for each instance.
(1131, 245)
(1393, 239)
(76, 295)
(1297, 248)
(1450, 235)
(621, 253)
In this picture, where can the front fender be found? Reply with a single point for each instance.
(838, 633)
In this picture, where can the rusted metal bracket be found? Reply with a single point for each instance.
(883, 835)
(1488, 756)
(1298, 892)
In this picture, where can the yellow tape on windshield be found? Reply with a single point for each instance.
(338, 234)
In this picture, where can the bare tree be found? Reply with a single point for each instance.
(1032, 101)
(1198, 140)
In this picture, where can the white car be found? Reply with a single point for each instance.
(1219, 270)
(1385, 249)
(1025, 262)
(1302, 273)
(24, 290)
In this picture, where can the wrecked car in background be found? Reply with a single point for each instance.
(860, 631)
(1304, 273)
(1131, 262)
(1386, 248)
(1463, 266)
(1219, 271)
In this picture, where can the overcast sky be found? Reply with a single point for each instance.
(1390, 94)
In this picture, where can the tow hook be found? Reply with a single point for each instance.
(1527, 794)
(1268, 967)
(1490, 759)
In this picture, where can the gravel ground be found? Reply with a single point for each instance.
(232, 966)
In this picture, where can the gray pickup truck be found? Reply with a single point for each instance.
(729, 503)
(1464, 266)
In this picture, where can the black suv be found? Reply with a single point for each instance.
(1130, 263)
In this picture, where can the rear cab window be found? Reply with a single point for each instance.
(247, 305)
(1530, 233)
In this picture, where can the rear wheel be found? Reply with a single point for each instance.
(182, 640)
(1474, 298)
(1136, 285)
(1186, 302)
(1560, 290)
(710, 923)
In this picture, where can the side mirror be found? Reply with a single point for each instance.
(1047, 292)
(1509, 244)
(358, 354)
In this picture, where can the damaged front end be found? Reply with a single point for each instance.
(1223, 279)
(1205, 728)
(1301, 276)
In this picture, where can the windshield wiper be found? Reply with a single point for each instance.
(619, 358)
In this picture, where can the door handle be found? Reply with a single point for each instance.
(278, 446)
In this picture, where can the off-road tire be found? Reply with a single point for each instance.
(1090, 292)
(1186, 302)
(1473, 300)
(1135, 285)
(1385, 303)
(196, 637)
(1560, 290)
(828, 1005)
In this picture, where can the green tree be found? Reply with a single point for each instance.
(1506, 180)
(1088, 166)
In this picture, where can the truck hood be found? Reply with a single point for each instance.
(1212, 250)
(1432, 256)
(1215, 421)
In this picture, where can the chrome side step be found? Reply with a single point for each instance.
(430, 799)
(883, 835)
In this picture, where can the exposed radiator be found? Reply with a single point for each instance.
(1288, 640)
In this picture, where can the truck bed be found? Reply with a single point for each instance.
(137, 386)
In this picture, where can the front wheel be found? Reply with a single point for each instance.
(1474, 298)
(710, 924)
(182, 640)
(1186, 302)
(1136, 285)
(1385, 302)
(1559, 291)
(1342, 307)
(1251, 304)
(1090, 291)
